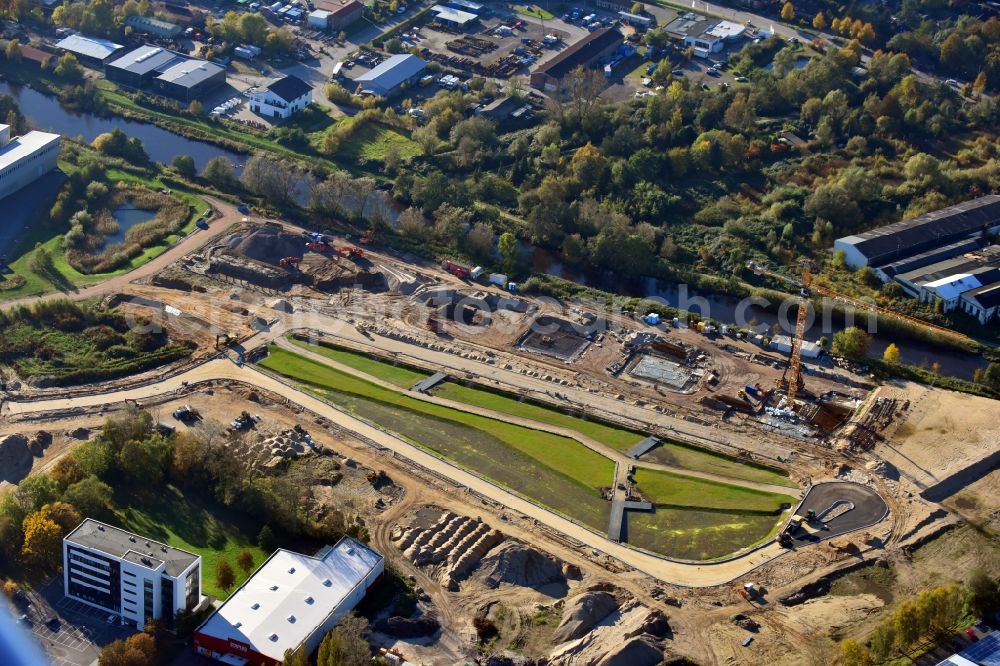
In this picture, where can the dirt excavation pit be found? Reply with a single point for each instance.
(256, 255)
(662, 372)
(558, 338)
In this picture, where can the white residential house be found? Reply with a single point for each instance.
(282, 98)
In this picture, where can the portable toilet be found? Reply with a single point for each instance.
(653, 319)
(676, 322)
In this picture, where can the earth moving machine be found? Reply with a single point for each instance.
(791, 381)
(318, 247)
(290, 262)
(186, 413)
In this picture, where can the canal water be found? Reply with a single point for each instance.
(729, 309)
(46, 113)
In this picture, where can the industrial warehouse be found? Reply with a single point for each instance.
(167, 72)
(940, 257)
(291, 601)
(585, 53)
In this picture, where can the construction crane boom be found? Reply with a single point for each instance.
(791, 379)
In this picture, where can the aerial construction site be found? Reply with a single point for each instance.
(593, 486)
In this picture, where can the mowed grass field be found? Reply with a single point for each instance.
(373, 142)
(556, 471)
(671, 453)
(697, 519)
(400, 376)
(197, 525)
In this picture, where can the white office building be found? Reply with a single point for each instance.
(128, 575)
(282, 98)
(25, 159)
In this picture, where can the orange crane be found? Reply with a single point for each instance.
(791, 380)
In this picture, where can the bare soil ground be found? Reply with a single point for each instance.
(944, 432)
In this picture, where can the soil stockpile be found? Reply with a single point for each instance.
(582, 614)
(516, 564)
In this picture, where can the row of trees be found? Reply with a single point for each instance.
(931, 618)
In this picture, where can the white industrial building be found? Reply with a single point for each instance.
(282, 98)
(704, 34)
(291, 601)
(128, 575)
(25, 159)
(390, 77)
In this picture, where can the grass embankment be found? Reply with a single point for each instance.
(558, 472)
(394, 374)
(621, 439)
(50, 236)
(195, 524)
(697, 519)
(375, 140)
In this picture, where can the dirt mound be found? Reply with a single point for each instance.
(402, 627)
(267, 244)
(516, 564)
(634, 652)
(582, 614)
(15, 458)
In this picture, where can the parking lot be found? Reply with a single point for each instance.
(866, 509)
(71, 633)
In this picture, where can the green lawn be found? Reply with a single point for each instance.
(372, 142)
(534, 11)
(194, 524)
(695, 519)
(400, 376)
(617, 438)
(50, 237)
(556, 471)
(668, 488)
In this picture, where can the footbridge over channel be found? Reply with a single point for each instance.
(425, 385)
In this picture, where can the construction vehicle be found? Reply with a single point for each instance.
(791, 380)
(186, 413)
(318, 247)
(367, 237)
(458, 270)
(242, 422)
(351, 252)
(290, 262)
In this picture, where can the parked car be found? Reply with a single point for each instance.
(201, 223)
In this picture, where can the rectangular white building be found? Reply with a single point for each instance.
(129, 575)
(25, 159)
(282, 98)
(292, 600)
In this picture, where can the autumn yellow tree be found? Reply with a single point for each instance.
(867, 33)
(42, 540)
(891, 354)
(979, 85)
(819, 21)
(788, 11)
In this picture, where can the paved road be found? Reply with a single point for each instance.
(869, 509)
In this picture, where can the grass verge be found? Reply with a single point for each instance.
(668, 488)
(400, 376)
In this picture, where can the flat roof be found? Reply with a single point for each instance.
(20, 147)
(91, 47)
(582, 52)
(393, 71)
(727, 30)
(466, 4)
(190, 73)
(691, 25)
(453, 15)
(289, 596)
(119, 543)
(145, 59)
